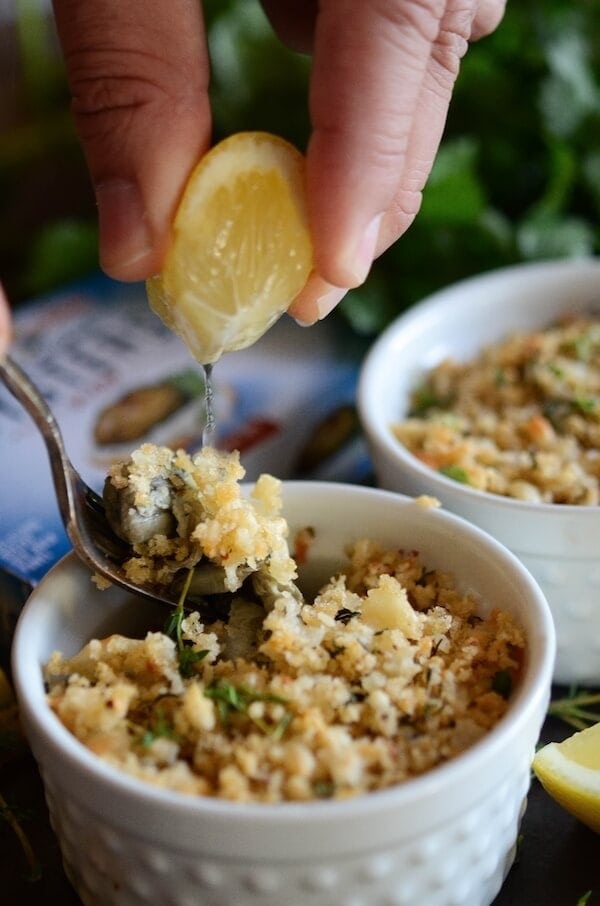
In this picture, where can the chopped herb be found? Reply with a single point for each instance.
(575, 709)
(173, 624)
(583, 347)
(172, 627)
(502, 683)
(227, 697)
(556, 370)
(586, 404)
(186, 655)
(582, 901)
(456, 473)
(323, 789)
(279, 731)
(161, 728)
(500, 377)
(425, 399)
(230, 699)
(344, 615)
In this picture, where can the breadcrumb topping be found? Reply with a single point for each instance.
(522, 419)
(388, 672)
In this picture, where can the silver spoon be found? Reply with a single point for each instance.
(82, 509)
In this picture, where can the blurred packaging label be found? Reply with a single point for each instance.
(115, 377)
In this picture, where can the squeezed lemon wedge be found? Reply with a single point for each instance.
(570, 772)
(240, 248)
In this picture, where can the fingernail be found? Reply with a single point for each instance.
(327, 302)
(125, 235)
(363, 254)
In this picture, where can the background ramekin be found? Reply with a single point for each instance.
(445, 839)
(559, 544)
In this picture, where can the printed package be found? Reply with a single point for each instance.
(115, 377)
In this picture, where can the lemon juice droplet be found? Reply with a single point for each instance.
(209, 407)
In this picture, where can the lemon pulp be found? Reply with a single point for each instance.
(240, 246)
(570, 773)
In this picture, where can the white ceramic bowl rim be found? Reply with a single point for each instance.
(412, 320)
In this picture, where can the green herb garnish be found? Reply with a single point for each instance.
(425, 399)
(279, 731)
(586, 404)
(500, 377)
(582, 901)
(583, 347)
(579, 709)
(344, 615)
(160, 728)
(186, 655)
(323, 789)
(456, 473)
(231, 699)
(502, 683)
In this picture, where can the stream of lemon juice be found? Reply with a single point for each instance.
(208, 431)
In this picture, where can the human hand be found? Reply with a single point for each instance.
(381, 84)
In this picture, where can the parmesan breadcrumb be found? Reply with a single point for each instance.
(522, 419)
(388, 672)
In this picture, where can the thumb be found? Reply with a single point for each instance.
(138, 74)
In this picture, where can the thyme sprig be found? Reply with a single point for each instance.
(231, 699)
(186, 655)
(579, 709)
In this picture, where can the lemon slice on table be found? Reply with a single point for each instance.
(570, 772)
(240, 247)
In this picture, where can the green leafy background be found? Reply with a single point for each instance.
(517, 176)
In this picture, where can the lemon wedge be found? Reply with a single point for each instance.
(240, 248)
(570, 772)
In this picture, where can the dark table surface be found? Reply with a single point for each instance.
(558, 858)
